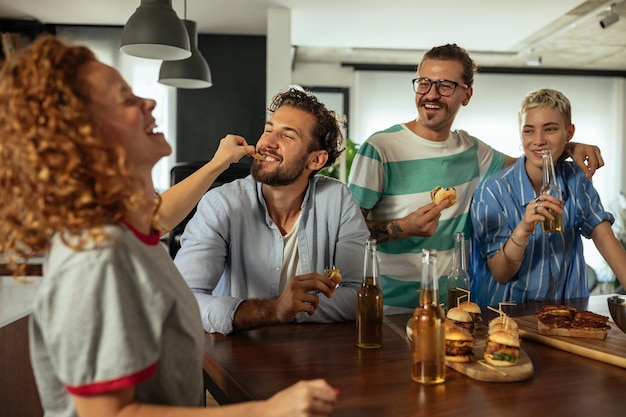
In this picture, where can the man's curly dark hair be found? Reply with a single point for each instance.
(326, 132)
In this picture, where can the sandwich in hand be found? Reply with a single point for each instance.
(474, 311)
(502, 349)
(335, 276)
(459, 344)
(438, 194)
(461, 318)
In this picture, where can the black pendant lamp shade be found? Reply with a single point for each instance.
(192, 72)
(154, 31)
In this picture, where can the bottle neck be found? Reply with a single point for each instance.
(549, 184)
(429, 289)
(370, 265)
(547, 170)
(459, 261)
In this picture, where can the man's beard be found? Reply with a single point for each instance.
(284, 175)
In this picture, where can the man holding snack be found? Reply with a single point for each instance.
(395, 171)
(256, 250)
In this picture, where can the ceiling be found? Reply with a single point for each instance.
(564, 33)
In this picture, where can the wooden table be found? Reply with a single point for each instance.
(254, 364)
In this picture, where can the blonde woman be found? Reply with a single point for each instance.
(514, 260)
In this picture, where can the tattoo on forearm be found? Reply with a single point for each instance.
(395, 230)
(378, 231)
(383, 231)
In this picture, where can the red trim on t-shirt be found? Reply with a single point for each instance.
(114, 384)
(152, 239)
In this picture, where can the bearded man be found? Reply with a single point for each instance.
(255, 251)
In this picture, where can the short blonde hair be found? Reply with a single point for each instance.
(547, 98)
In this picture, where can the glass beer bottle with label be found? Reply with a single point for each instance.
(369, 302)
(551, 187)
(428, 355)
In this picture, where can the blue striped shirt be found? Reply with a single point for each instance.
(553, 267)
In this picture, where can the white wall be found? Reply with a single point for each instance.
(380, 99)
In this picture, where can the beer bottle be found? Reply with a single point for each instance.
(551, 187)
(428, 355)
(369, 302)
(458, 278)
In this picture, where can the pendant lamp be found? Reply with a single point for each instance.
(154, 31)
(192, 72)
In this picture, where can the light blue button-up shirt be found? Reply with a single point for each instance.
(231, 250)
(553, 267)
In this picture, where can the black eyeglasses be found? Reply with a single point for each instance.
(445, 88)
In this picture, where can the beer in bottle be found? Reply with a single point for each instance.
(369, 302)
(428, 355)
(551, 187)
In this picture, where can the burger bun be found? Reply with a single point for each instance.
(500, 327)
(458, 314)
(459, 358)
(438, 194)
(458, 334)
(504, 338)
(470, 307)
(501, 319)
(496, 362)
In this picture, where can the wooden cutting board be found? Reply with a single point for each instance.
(611, 350)
(480, 370)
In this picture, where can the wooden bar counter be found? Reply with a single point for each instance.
(255, 364)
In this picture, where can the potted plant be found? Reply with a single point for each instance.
(350, 151)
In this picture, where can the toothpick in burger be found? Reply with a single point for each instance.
(474, 311)
(502, 349)
(503, 323)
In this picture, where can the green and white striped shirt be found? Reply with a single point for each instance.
(392, 176)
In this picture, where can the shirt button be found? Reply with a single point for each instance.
(277, 268)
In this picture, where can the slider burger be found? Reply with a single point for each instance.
(501, 327)
(502, 349)
(505, 324)
(459, 345)
(335, 276)
(474, 311)
(438, 194)
(461, 318)
(502, 320)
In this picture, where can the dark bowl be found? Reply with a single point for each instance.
(617, 308)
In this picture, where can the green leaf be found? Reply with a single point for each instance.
(333, 171)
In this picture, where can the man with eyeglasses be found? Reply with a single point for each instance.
(395, 170)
